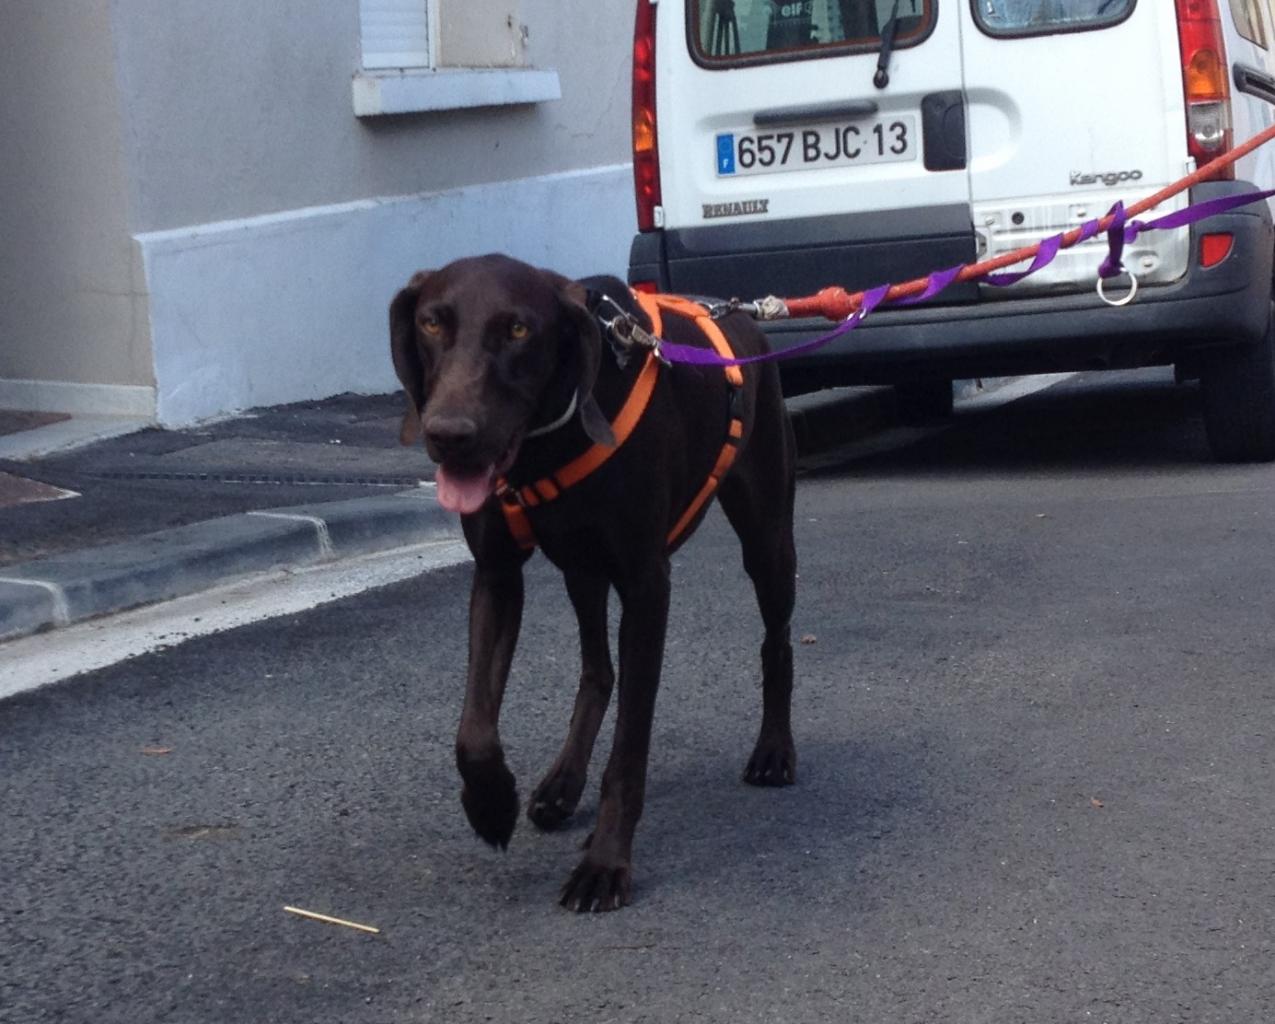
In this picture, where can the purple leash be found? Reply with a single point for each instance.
(1119, 233)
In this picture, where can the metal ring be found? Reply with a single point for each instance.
(1124, 300)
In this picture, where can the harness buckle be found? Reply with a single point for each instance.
(508, 495)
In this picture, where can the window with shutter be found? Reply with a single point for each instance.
(471, 54)
(395, 33)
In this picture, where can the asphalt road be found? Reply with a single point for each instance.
(1034, 724)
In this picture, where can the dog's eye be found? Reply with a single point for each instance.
(430, 324)
(519, 331)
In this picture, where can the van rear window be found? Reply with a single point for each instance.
(727, 32)
(1248, 21)
(1037, 17)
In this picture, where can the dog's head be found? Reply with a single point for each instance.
(487, 349)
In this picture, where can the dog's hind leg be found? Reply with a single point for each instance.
(555, 799)
(603, 878)
(757, 498)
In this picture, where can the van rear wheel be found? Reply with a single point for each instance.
(1238, 388)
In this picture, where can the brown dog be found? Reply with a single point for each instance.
(533, 422)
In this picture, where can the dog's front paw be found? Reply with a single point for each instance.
(490, 799)
(555, 799)
(774, 763)
(595, 886)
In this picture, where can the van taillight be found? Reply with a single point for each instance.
(1215, 248)
(1205, 82)
(646, 157)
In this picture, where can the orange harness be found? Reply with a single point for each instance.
(514, 502)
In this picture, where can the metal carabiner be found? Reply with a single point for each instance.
(1124, 300)
(624, 333)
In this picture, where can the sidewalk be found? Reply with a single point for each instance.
(154, 514)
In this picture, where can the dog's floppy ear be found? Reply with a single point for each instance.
(406, 355)
(588, 340)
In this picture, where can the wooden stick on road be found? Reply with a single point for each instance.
(332, 920)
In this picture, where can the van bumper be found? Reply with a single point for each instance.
(1226, 304)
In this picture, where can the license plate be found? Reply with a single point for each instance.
(882, 140)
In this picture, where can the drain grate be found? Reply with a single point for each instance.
(276, 479)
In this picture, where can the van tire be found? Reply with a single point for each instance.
(1238, 388)
(924, 400)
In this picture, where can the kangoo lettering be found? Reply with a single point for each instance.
(1104, 177)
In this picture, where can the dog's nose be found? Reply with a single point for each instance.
(451, 434)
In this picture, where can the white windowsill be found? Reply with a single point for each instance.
(419, 89)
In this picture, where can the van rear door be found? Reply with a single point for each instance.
(1073, 105)
(768, 117)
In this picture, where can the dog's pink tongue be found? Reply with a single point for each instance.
(464, 492)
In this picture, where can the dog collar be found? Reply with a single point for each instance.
(515, 501)
(561, 421)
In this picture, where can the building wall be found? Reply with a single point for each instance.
(275, 226)
(72, 304)
(236, 108)
(195, 213)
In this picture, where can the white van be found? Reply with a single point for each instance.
(784, 145)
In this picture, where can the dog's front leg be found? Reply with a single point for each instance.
(603, 878)
(489, 794)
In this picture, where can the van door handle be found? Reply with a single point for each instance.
(1254, 82)
(837, 111)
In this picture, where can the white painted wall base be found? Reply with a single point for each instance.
(84, 399)
(294, 306)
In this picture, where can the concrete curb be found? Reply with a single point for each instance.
(92, 582)
(160, 566)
